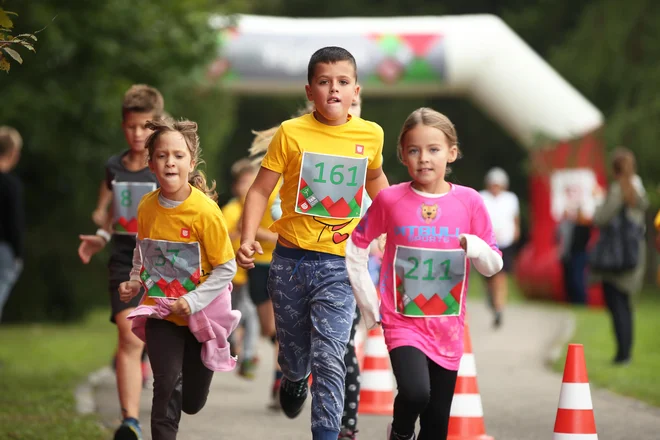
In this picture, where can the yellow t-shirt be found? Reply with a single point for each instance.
(180, 246)
(324, 169)
(656, 221)
(232, 212)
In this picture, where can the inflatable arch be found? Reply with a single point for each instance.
(475, 56)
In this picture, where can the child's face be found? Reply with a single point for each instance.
(333, 90)
(171, 163)
(134, 130)
(243, 183)
(426, 152)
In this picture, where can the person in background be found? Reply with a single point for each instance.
(627, 193)
(504, 210)
(12, 217)
(243, 172)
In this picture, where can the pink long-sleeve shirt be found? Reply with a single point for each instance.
(424, 276)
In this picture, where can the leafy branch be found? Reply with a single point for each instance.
(9, 42)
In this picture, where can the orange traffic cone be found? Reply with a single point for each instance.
(575, 414)
(466, 419)
(377, 381)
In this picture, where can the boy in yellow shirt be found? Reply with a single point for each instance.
(326, 159)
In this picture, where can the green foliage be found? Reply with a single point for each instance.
(7, 40)
(611, 56)
(67, 106)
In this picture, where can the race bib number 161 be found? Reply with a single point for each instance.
(331, 186)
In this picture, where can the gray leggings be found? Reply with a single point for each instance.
(181, 381)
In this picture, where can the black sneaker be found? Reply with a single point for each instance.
(129, 430)
(293, 396)
(391, 435)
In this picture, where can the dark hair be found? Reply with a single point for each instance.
(621, 156)
(330, 54)
(141, 98)
(187, 129)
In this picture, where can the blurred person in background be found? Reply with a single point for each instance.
(504, 210)
(625, 202)
(12, 216)
(243, 173)
(575, 232)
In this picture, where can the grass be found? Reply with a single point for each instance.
(41, 366)
(594, 331)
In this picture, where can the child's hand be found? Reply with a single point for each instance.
(128, 290)
(90, 245)
(245, 254)
(180, 307)
(463, 243)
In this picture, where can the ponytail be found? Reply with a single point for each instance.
(198, 180)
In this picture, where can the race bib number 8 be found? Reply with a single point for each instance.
(169, 269)
(429, 282)
(331, 186)
(125, 200)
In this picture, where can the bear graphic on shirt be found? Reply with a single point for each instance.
(429, 213)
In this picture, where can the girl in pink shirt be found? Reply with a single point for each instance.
(433, 228)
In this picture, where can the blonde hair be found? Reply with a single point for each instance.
(260, 144)
(242, 166)
(187, 129)
(10, 140)
(430, 118)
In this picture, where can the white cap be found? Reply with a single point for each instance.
(497, 176)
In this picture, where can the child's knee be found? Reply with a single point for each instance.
(193, 406)
(130, 343)
(415, 397)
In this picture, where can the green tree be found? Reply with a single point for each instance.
(10, 43)
(66, 104)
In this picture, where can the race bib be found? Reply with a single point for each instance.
(169, 269)
(126, 197)
(331, 186)
(429, 282)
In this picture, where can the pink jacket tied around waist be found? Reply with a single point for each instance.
(211, 326)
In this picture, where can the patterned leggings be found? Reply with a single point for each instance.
(352, 396)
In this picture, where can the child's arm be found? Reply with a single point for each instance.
(373, 224)
(100, 214)
(214, 239)
(486, 260)
(217, 282)
(376, 181)
(128, 289)
(90, 245)
(480, 246)
(254, 209)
